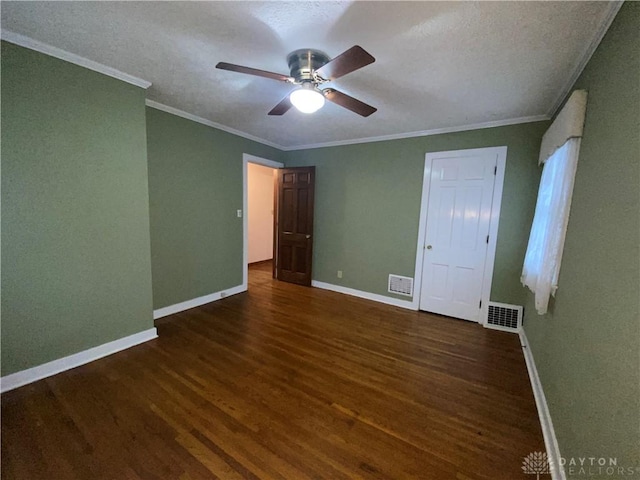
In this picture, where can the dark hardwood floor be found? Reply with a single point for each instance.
(284, 382)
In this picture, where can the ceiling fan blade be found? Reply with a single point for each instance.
(353, 59)
(283, 107)
(253, 71)
(348, 102)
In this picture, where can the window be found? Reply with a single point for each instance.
(546, 241)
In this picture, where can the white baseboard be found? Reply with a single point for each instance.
(550, 441)
(18, 379)
(366, 295)
(196, 302)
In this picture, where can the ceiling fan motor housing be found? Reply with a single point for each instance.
(303, 62)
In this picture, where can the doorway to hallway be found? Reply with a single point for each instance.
(259, 209)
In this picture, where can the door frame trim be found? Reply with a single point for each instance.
(247, 158)
(496, 204)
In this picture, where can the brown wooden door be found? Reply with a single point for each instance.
(294, 226)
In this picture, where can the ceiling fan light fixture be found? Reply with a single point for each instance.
(307, 98)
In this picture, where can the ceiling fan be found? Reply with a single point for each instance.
(309, 69)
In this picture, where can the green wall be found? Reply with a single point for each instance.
(195, 189)
(368, 206)
(587, 348)
(75, 217)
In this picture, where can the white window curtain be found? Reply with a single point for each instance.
(546, 241)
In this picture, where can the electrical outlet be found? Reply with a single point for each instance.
(239, 213)
(339, 273)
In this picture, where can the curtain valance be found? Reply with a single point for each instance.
(568, 124)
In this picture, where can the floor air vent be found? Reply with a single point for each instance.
(503, 316)
(401, 285)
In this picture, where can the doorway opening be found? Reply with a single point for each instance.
(259, 209)
(260, 212)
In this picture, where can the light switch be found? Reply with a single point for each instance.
(239, 213)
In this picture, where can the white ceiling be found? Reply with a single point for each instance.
(439, 65)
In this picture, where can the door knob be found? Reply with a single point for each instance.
(429, 247)
(308, 236)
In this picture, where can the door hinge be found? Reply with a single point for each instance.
(495, 170)
(480, 306)
(487, 238)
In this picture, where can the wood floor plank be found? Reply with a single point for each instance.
(284, 382)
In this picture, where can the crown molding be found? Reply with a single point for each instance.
(423, 133)
(56, 52)
(209, 123)
(614, 7)
(397, 136)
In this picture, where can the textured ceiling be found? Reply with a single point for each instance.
(438, 64)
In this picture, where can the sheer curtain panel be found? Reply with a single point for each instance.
(546, 240)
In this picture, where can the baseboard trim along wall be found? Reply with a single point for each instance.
(24, 377)
(196, 302)
(550, 441)
(366, 295)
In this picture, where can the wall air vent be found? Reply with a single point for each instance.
(401, 285)
(503, 316)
